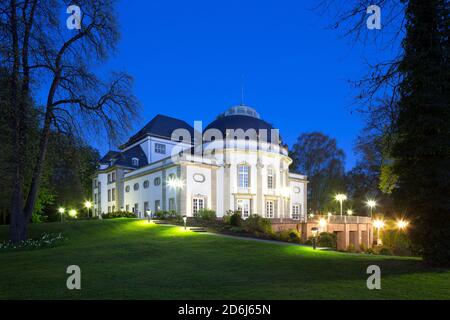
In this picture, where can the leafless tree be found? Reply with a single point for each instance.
(41, 54)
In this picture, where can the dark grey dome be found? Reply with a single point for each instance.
(244, 120)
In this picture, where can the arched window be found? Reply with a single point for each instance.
(146, 184)
(243, 176)
(135, 162)
(157, 181)
(127, 189)
(136, 187)
(270, 178)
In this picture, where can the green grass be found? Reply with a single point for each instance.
(130, 259)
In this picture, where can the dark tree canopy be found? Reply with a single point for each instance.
(319, 157)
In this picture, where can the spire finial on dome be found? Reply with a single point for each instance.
(242, 90)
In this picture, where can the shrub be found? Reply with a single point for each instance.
(398, 242)
(385, 251)
(205, 214)
(327, 240)
(256, 223)
(236, 219)
(119, 214)
(351, 248)
(288, 236)
(370, 251)
(44, 241)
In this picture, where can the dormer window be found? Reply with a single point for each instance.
(160, 148)
(135, 162)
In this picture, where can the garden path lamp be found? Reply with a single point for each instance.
(378, 224)
(340, 198)
(314, 231)
(61, 211)
(88, 206)
(371, 204)
(184, 221)
(402, 224)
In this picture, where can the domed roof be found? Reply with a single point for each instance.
(240, 117)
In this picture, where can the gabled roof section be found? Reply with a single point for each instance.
(125, 159)
(160, 126)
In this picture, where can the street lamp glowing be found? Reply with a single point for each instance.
(322, 223)
(61, 210)
(350, 212)
(88, 204)
(175, 183)
(371, 204)
(314, 231)
(378, 224)
(402, 224)
(341, 198)
(73, 213)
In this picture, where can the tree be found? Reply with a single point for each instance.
(422, 148)
(37, 48)
(318, 156)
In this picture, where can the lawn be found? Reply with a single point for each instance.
(131, 259)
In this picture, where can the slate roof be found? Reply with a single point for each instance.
(125, 158)
(243, 122)
(160, 126)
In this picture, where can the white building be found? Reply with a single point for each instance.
(236, 164)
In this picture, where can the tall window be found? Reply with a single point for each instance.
(198, 204)
(296, 209)
(127, 208)
(270, 205)
(113, 194)
(157, 205)
(146, 208)
(243, 206)
(160, 148)
(109, 194)
(243, 176)
(113, 177)
(171, 204)
(270, 178)
(135, 162)
(136, 208)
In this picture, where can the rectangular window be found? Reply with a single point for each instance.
(113, 177)
(109, 177)
(157, 205)
(296, 212)
(243, 206)
(160, 148)
(198, 204)
(136, 208)
(270, 205)
(109, 209)
(270, 179)
(171, 204)
(243, 176)
(113, 194)
(146, 208)
(95, 198)
(109, 194)
(127, 208)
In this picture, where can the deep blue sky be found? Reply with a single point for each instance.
(187, 58)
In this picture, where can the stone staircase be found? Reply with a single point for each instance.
(198, 229)
(160, 222)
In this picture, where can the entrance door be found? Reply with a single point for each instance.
(243, 206)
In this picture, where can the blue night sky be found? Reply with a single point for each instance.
(188, 58)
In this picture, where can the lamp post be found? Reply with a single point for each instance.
(88, 206)
(314, 231)
(371, 204)
(184, 221)
(379, 224)
(341, 198)
(61, 211)
(350, 212)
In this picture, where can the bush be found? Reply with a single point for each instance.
(326, 240)
(385, 251)
(236, 219)
(47, 240)
(398, 242)
(288, 236)
(206, 215)
(256, 223)
(119, 214)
